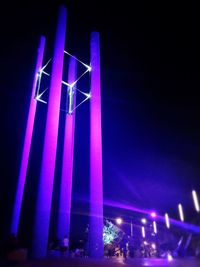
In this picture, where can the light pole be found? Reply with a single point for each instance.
(131, 228)
(119, 221)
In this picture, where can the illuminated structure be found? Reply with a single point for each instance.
(96, 190)
(67, 163)
(46, 179)
(45, 190)
(27, 143)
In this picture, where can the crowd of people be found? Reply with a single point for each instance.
(125, 248)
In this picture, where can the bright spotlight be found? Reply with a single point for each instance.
(169, 257)
(153, 214)
(153, 245)
(196, 201)
(180, 209)
(167, 220)
(119, 220)
(143, 221)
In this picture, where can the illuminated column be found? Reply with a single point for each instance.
(67, 163)
(27, 143)
(44, 198)
(96, 179)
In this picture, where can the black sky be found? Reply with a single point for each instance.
(150, 99)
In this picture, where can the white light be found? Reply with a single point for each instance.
(153, 246)
(72, 84)
(145, 243)
(119, 221)
(42, 71)
(143, 232)
(196, 201)
(65, 83)
(154, 227)
(169, 257)
(88, 95)
(143, 220)
(38, 97)
(180, 208)
(70, 93)
(89, 68)
(167, 220)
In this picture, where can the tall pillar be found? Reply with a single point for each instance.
(96, 179)
(45, 189)
(67, 162)
(27, 143)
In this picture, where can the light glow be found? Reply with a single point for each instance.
(153, 214)
(143, 221)
(154, 227)
(167, 220)
(119, 221)
(169, 257)
(143, 232)
(181, 215)
(195, 200)
(153, 245)
(70, 85)
(71, 88)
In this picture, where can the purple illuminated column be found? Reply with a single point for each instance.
(67, 164)
(44, 198)
(96, 179)
(27, 143)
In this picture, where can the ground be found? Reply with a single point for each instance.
(109, 263)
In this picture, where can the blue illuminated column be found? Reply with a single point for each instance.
(67, 162)
(96, 179)
(44, 198)
(27, 143)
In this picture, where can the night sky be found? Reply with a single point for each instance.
(150, 103)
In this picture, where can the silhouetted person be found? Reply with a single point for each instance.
(12, 243)
(64, 245)
(124, 248)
